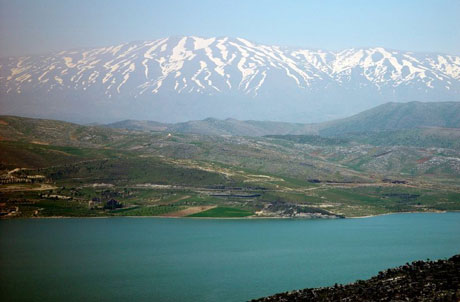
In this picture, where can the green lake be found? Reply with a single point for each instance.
(154, 259)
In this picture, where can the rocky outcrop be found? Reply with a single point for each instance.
(418, 281)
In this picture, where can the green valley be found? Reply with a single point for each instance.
(53, 168)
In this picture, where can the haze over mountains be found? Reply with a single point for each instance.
(190, 78)
(386, 117)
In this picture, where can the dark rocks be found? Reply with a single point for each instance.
(402, 196)
(237, 195)
(418, 281)
(395, 181)
(314, 181)
(113, 204)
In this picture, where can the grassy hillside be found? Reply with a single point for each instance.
(419, 137)
(315, 140)
(211, 126)
(390, 116)
(52, 168)
(395, 116)
(30, 155)
(139, 125)
(42, 131)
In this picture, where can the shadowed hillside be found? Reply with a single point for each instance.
(212, 126)
(418, 281)
(395, 116)
(390, 116)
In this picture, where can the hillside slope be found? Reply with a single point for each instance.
(418, 281)
(396, 116)
(213, 126)
(44, 131)
(277, 176)
(386, 117)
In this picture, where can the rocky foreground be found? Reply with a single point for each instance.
(418, 281)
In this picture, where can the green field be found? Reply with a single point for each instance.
(148, 211)
(223, 212)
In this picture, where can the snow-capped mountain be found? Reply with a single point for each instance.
(181, 78)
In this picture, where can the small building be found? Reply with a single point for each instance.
(113, 204)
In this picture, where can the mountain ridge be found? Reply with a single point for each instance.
(397, 116)
(389, 116)
(444, 116)
(182, 78)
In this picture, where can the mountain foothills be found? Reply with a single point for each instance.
(390, 116)
(394, 158)
(190, 78)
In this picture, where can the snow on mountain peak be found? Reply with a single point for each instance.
(217, 65)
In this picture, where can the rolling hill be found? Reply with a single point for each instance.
(396, 116)
(386, 117)
(46, 163)
(213, 126)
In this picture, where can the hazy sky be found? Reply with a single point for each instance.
(37, 26)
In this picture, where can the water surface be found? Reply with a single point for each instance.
(153, 259)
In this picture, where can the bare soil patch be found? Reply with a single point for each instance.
(189, 211)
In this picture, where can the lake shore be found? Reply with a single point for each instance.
(224, 218)
(393, 213)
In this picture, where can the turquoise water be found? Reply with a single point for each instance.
(152, 259)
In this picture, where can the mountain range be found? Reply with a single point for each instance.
(386, 117)
(184, 78)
